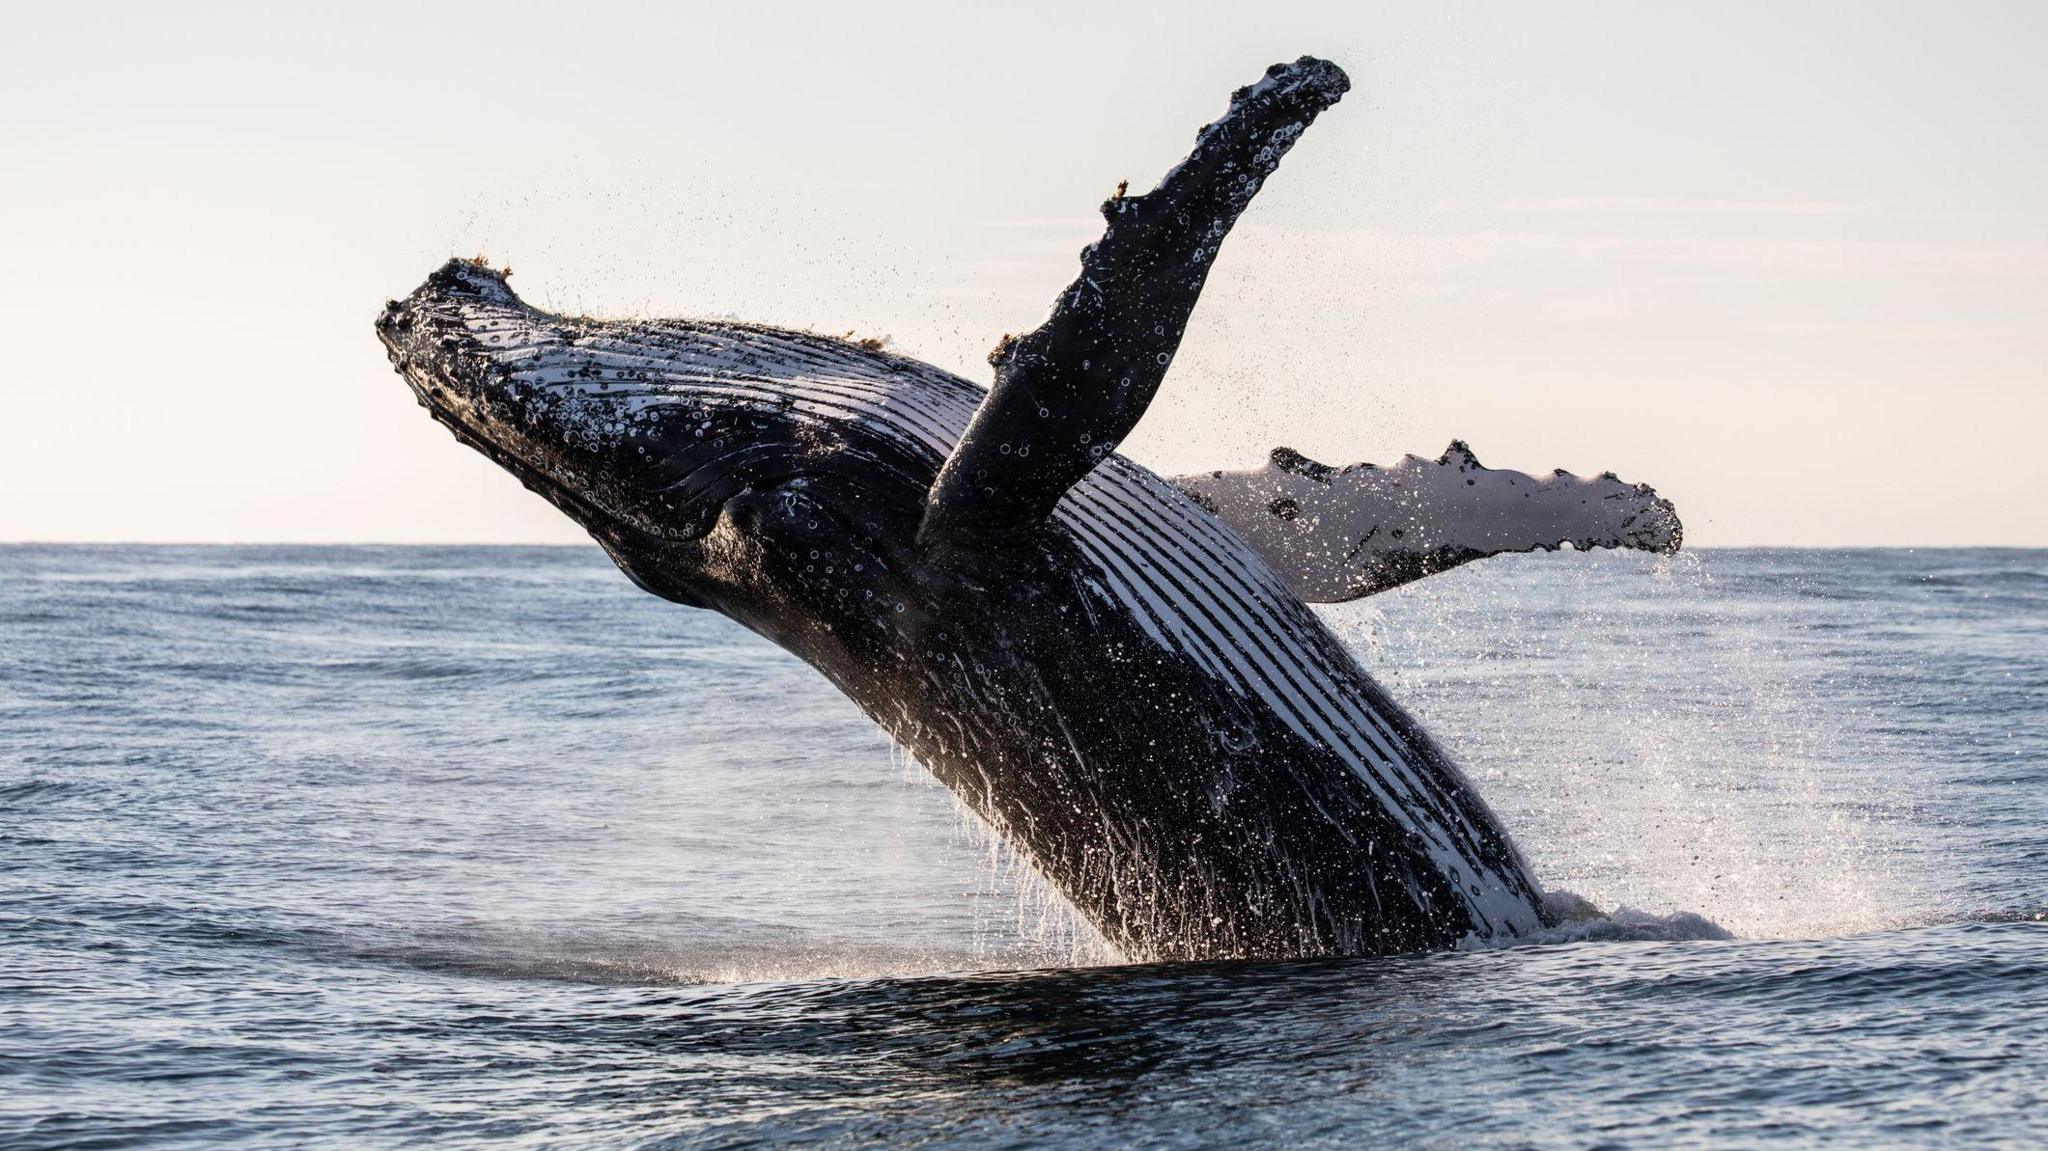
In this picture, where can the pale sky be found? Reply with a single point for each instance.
(1788, 263)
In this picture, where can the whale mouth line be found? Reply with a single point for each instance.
(581, 508)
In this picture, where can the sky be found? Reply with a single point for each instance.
(1786, 262)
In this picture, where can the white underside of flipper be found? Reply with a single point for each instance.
(1339, 533)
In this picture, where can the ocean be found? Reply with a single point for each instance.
(378, 847)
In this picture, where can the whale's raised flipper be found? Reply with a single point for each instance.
(1068, 391)
(1339, 533)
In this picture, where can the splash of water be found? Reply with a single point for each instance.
(1021, 919)
(1653, 741)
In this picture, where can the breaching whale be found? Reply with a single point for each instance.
(1116, 671)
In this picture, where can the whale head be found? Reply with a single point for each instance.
(675, 444)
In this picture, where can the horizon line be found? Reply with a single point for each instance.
(29, 543)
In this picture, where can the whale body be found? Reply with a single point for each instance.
(1091, 657)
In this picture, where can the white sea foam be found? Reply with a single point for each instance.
(1579, 921)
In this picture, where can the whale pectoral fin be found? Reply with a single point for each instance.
(1340, 533)
(1068, 392)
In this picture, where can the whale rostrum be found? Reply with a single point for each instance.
(1116, 672)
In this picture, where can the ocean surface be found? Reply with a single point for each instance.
(481, 847)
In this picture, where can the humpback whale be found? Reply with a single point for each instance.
(1116, 671)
